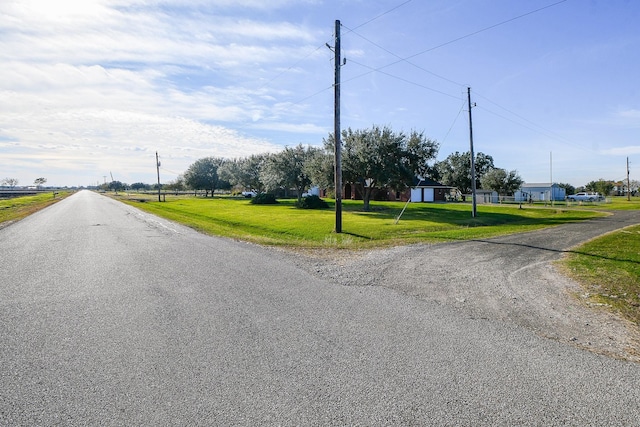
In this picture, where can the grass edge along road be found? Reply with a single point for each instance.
(16, 208)
(608, 269)
(285, 225)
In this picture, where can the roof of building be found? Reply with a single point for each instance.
(538, 185)
(428, 182)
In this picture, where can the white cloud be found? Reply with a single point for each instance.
(629, 150)
(630, 114)
(92, 83)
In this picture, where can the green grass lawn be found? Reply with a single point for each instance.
(19, 207)
(285, 225)
(609, 270)
(611, 203)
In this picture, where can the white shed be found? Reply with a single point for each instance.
(428, 190)
(540, 192)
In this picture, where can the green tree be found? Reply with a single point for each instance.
(600, 186)
(117, 186)
(286, 169)
(379, 157)
(203, 174)
(140, 186)
(501, 181)
(455, 170)
(321, 169)
(177, 184)
(244, 173)
(9, 182)
(568, 188)
(39, 182)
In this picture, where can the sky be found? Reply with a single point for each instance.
(92, 89)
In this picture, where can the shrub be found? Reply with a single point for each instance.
(264, 199)
(312, 202)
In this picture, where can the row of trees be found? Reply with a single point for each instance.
(13, 182)
(372, 159)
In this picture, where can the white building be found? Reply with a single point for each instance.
(540, 192)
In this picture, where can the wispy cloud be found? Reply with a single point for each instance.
(622, 151)
(88, 81)
(98, 85)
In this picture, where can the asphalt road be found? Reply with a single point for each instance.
(110, 316)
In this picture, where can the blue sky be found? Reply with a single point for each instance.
(95, 87)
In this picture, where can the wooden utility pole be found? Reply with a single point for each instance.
(336, 132)
(473, 160)
(158, 169)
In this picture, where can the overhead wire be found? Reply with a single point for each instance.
(327, 44)
(407, 60)
(454, 122)
(402, 59)
(536, 127)
(381, 15)
(540, 129)
(395, 77)
(323, 46)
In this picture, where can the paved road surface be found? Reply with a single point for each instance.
(109, 316)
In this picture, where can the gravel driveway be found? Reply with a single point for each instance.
(507, 279)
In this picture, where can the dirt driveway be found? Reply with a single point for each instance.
(508, 279)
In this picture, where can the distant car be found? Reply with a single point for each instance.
(584, 197)
(249, 194)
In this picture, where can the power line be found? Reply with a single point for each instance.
(377, 70)
(406, 59)
(544, 132)
(379, 16)
(268, 83)
(485, 29)
(454, 122)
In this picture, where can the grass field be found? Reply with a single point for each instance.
(609, 270)
(19, 207)
(285, 225)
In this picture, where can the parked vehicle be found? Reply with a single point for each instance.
(249, 194)
(584, 197)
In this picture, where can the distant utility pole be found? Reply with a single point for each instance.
(628, 183)
(551, 176)
(473, 159)
(158, 169)
(336, 130)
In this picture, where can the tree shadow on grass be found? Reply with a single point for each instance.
(559, 251)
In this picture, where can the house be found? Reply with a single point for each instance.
(428, 190)
(422, 190)
(540, 192)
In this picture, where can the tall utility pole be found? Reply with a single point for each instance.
(628, 183)
(473, 159)
(336, 132)
(158, 169)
